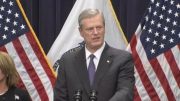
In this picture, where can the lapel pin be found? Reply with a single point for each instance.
(108, 61)
(16, 97)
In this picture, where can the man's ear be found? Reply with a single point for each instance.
(80, 31)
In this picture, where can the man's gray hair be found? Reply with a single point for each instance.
(88, 13)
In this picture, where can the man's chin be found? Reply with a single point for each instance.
(97, 45)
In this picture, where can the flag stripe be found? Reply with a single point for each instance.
(176, 51)
(145, 79)
(156, 51)
(32, 73)
(170, 91)
(136, 94)
(140, 89)
(2, 48)
(40, 57)
(138, 82)
(38, 67)
(27, 81)
(158, 74)
(35, 73)
(20, 84)
(169, 75)
(162, 78)
(173, 65)
(150, 72)
(137, 98)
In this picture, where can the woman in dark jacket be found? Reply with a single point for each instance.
(8, 79)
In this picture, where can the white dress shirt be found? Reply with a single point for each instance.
(97, 55)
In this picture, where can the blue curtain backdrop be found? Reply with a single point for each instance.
(48, 16)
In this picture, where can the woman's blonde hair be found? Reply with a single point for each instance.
(8, 68)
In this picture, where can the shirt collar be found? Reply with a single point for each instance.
(97, 53)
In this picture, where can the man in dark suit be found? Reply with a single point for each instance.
(112, 76)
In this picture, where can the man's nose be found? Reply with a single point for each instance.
(95, 31)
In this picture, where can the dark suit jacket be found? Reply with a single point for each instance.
(15, 94)
(114, 78)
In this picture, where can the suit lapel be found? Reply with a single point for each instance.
(82, 69)
(103, 67)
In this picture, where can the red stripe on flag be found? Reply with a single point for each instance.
(162, 78)
(173, 65)
(40, 57)
(29, 68)
(140, 69)
(21, 84)
(2, 48)
(179, 46)
(136, 94)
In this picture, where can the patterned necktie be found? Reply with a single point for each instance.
(91, 69)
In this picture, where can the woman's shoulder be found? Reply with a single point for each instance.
(21, 94)
(19, 91)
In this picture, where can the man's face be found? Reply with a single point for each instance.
(93, 31)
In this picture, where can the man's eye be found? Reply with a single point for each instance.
(89, 29)
(99, 28)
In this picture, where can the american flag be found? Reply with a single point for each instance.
(155, 47)
(18, 39)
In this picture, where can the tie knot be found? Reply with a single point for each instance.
(91, 56)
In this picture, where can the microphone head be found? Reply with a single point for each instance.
(93, 95)
(78, 95)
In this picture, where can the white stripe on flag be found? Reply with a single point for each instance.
(153, 76)
(150, 72)
(37, 66)
(22, 71)
(176, 51)
(169, 75)
(140, 87)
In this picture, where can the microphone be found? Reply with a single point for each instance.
(78, 95)
(93, 95)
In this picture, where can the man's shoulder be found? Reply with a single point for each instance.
(72, 51)
(117, 51)
(68, 56)
(75, 49)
